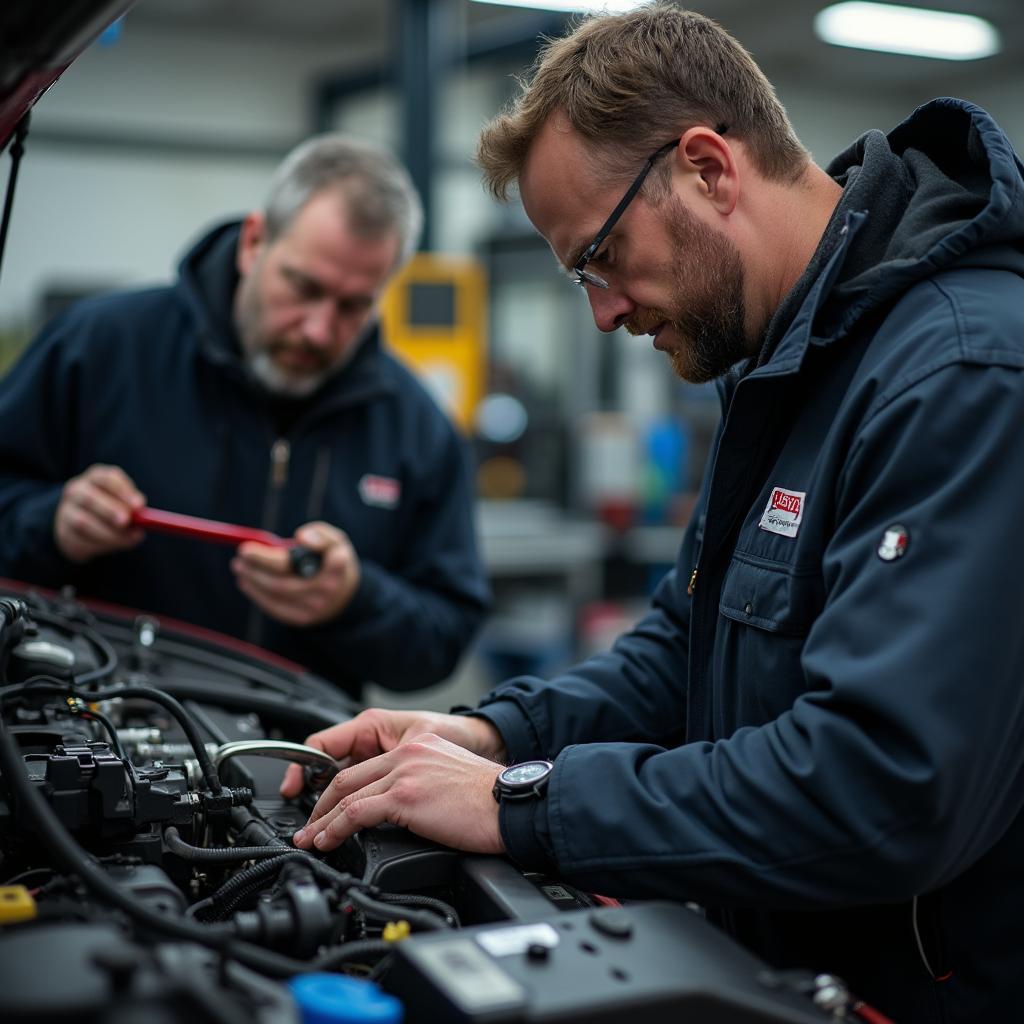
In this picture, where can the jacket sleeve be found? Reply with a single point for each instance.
(38, 399)
(408, 624)
(902, 761)
(636, 691)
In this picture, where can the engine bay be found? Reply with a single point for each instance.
(147, 873)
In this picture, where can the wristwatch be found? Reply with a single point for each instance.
(522, 781)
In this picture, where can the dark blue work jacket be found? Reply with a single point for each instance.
(823, 742)
(152, 381)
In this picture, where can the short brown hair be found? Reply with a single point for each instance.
(632, 81)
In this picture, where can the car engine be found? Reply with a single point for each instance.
(147, 874)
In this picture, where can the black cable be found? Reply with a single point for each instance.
(15, 689)
(240, 884)
(191, 650)
(195, 911)
(220, 737)
(66, 852)
(19, 879)
(108, 725)
(335, 958)
(378, 911)
(198, 712)
(13, 626)
(174, 708)
(236, 887)
(165, 700)
(88, 632)
(346, 882)
(225, 911)
(381, 907)
(214, 854)
(251, 831)
(77, 861)
(447, 911)
(17, 152)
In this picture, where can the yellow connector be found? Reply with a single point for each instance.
(16, 904)
(395, 931)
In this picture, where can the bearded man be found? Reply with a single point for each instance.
(817, 731)
(256, 390)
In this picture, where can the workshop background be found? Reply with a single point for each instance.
(587, 448)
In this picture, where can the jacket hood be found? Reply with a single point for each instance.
(207, 279)
(942, 189)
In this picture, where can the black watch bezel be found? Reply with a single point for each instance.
(506, 790)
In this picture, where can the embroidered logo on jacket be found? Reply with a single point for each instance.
(894, 543)
(380, 491)
(784, 512)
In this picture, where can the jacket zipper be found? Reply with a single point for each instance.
(280, 457)
(692, 585)
(280, 453)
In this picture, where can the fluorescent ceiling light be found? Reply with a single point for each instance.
(910, 30)
(573, 6)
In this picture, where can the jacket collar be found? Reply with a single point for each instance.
(943, 189)
(790, 351)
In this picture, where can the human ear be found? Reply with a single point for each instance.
(250, 241)
(711, 166)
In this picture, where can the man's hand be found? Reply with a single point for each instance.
(377, 731)
(94, 514)
(265, 576)
(429, 785)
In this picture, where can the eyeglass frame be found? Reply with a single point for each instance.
(585, 277)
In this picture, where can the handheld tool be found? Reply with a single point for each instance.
(318, 767)
(304, 562)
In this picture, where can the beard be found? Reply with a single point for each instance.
(279, 381)
(707, 311)
(261, 350)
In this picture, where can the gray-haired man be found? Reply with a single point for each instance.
(256, 390)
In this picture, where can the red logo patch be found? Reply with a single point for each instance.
(786, 501)
(380, 491)
(783, 512)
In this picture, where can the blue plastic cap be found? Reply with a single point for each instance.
(336, 999)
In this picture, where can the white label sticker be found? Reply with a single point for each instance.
(475, 982)
(784, 512)
(517, 940)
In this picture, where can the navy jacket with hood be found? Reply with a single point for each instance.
(823, 743)
(152, 381)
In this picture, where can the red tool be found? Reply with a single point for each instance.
(204, 529)
(304, 562)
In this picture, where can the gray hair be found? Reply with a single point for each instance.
(379, 194)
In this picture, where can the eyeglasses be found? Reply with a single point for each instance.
(584, 276)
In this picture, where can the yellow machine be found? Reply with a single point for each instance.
(434, 317)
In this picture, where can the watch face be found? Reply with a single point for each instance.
(525, 773)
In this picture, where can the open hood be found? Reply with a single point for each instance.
(40, 39)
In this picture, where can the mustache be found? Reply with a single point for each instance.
(310, 351)
(643, 321)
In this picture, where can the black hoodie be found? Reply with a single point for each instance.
(153, 381)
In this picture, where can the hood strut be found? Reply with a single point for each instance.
(17, 151)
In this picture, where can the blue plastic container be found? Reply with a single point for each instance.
(336, 999)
